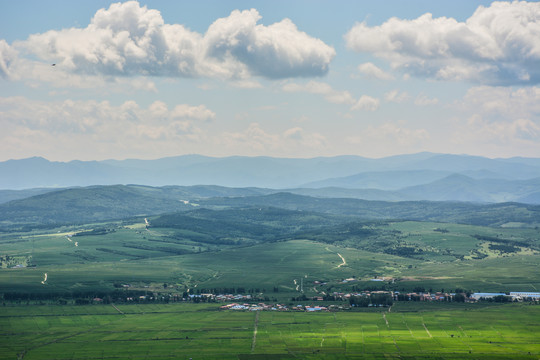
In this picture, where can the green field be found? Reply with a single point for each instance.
(290, 255)
(408, 255)
(184, 331)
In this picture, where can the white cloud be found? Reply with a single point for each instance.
(92, 117)
(424, 100)
(396, 96)
(503, 114)
(366, 103)
(294, 133)
(505, 132)
(92, 129)
(184, 111)
(320, 88)
(502, 103)
(334, 96)
(35, 73)
(372, 71)
(7, 56)
(496, 45)
(131, 40)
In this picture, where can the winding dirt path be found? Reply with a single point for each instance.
(343, 261)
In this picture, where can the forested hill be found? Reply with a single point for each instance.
(444, 211)
(101, 203)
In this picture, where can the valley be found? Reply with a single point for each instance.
(218, 272)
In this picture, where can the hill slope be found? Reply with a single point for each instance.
(462, 188)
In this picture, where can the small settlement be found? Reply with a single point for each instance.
(377, 299)
(326, 301)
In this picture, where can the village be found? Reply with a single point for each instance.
(331, 301)
(375, 299)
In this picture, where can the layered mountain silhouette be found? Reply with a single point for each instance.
(422, 176)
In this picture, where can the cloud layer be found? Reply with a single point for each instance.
(334, 96)
(106, 121)
(128, 39)
(498, 44)
(503, 114)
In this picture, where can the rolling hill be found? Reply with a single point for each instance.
(463, 188)
(101, 203)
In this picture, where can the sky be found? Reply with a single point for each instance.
(95, 80)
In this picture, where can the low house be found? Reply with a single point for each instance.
(519, 295)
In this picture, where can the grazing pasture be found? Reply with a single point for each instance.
(201, 331)
(95, 257)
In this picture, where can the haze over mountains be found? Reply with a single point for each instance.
(422, 176)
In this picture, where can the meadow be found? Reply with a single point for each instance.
(201, 255)
(202, 331)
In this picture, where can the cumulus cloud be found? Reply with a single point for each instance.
(334, 96)
(128, 39)
(372, 71)
(496, 45)
(7, 56)
(396, 96)
(93, 129)
(93, 117)
(366, 103)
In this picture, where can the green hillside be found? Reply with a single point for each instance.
(103, 203)
(270, 249)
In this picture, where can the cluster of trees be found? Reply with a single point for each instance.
(371, 300)
(503, 248)
(227, 290)
(501, 241)
(405, 251)
(95, 232)
(87, 297)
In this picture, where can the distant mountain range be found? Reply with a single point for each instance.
(422, 176)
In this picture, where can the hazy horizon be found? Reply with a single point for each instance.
(147, 80)
(275, 157)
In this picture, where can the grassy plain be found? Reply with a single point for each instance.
(445, 256)
(184, 331)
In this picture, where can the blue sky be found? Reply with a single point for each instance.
(276, 78)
